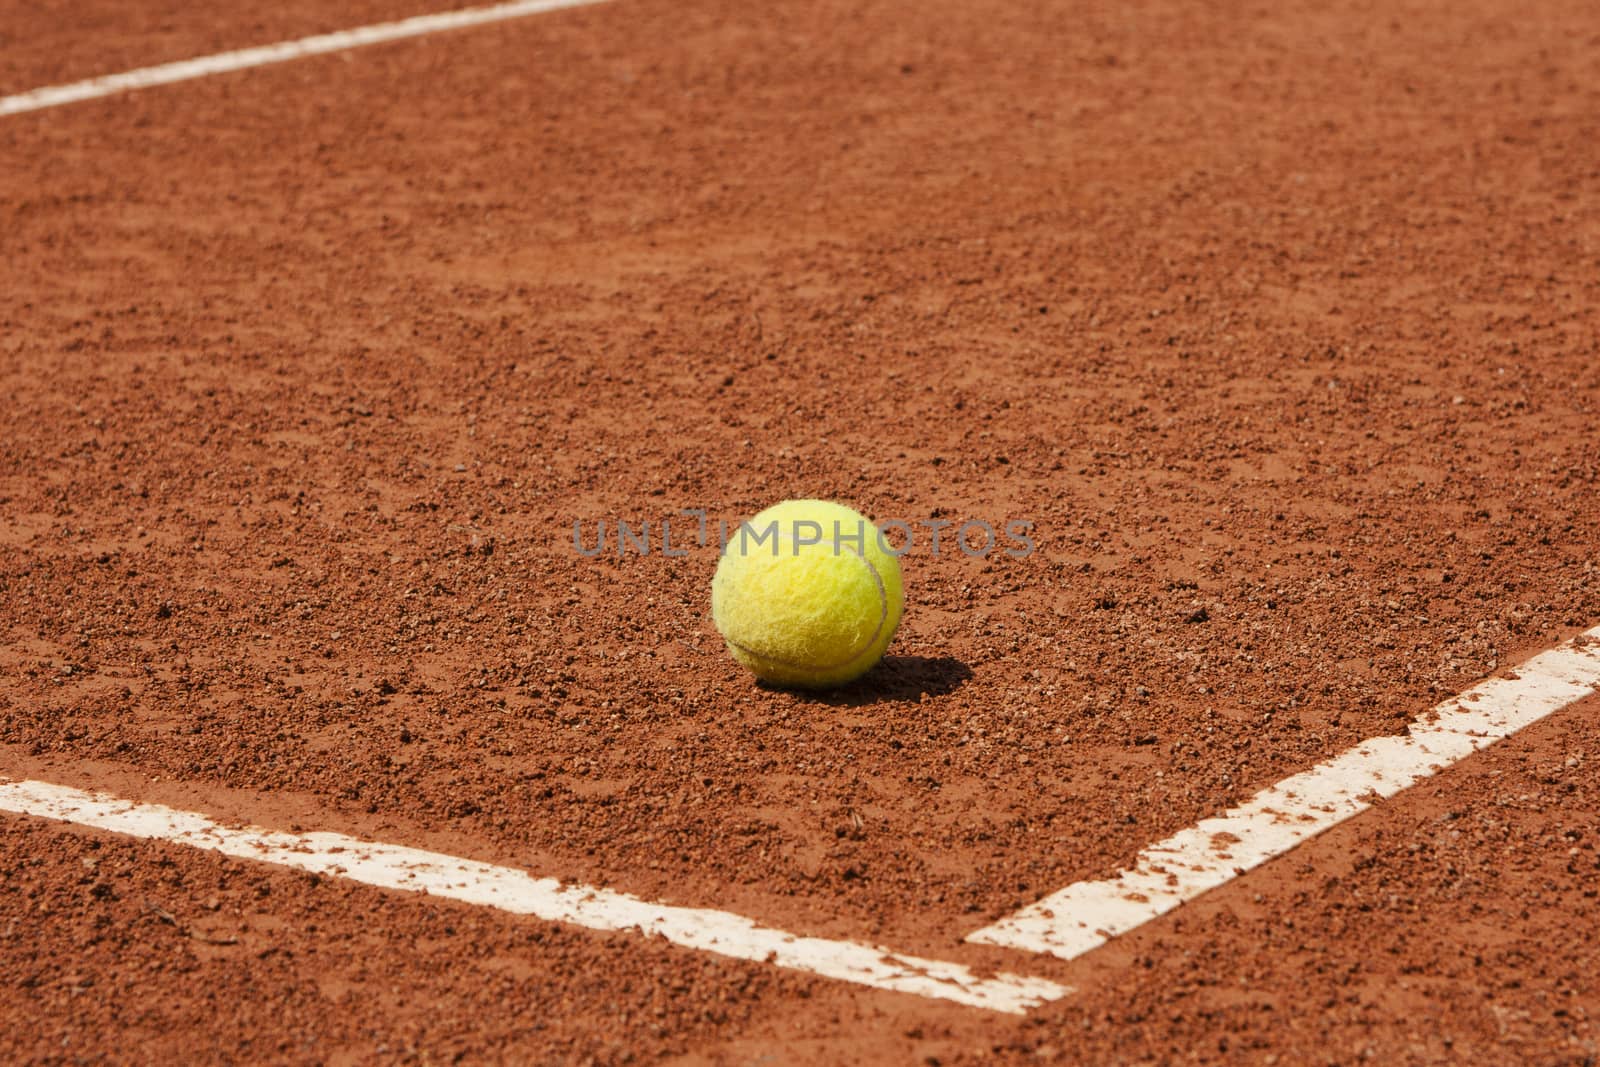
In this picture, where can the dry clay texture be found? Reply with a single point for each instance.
(1277, 322)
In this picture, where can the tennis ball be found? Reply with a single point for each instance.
(805, 595)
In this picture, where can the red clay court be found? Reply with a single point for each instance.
(324, 328)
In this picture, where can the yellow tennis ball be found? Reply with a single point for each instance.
(806, 595)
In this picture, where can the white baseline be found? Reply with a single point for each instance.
(512, 890)
(1086, 915)
(224, 62)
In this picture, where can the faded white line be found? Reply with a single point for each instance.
(509, 889)
(224, 62)
(1085, 916)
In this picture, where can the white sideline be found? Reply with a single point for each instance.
(1086, 915)
(223, 62)
(509, 889)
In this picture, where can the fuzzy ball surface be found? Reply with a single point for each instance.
(806, 595)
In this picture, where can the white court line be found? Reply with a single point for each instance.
(223, 62)
(509, 889)
(1086, 915)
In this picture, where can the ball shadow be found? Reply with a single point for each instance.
(897, 679)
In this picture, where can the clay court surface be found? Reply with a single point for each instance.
(1280, 322)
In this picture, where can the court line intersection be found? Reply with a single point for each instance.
(1065, 924)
